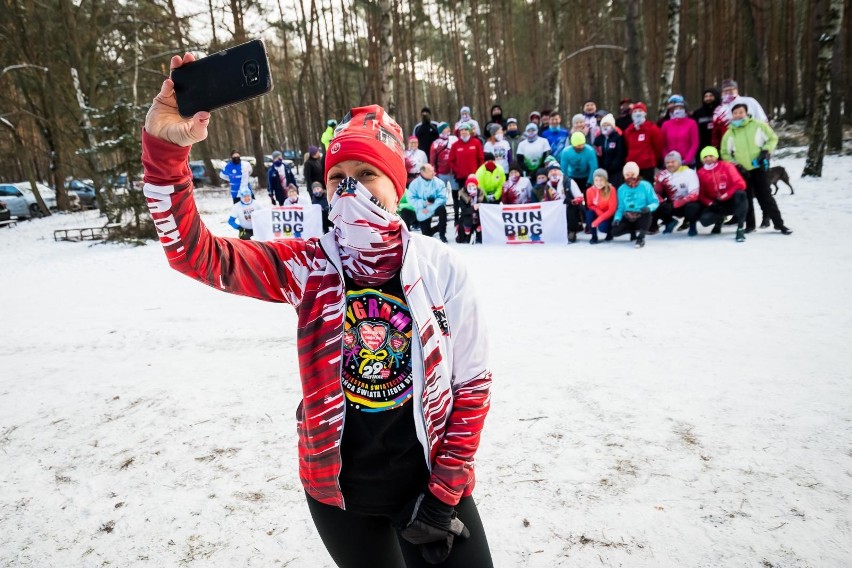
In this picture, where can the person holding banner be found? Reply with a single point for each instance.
(392, 350)
(428, 197)
(636, 202)
(571, 195)
(517, 189)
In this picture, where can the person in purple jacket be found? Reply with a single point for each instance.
(680, 132)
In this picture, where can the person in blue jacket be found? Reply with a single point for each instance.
(280, 179)
(428, 195)
(636, 201)
(555, 135)
(241, 212)
(237, 173)
(579, 162)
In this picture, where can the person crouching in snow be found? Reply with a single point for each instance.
(601, 203)
(568, 190)
(722, 192)
(378, 310)
(517, 189)
(241, 211)
(491, 178)
(636, 202)
(470, 197)
(677, 190)
(428, 196)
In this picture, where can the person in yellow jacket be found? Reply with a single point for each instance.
(748, 144)
(491, 178)
(331, 124)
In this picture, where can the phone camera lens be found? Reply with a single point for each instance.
(251, 71)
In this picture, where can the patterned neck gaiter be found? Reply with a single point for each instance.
(369, 238)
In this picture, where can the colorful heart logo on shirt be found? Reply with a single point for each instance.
(348, 339)
(373, 335)
(398, 342)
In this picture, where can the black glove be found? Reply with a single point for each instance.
(762, 156)
(432, 525)
(742, 170)
(645, 210)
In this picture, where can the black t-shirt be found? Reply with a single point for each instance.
(383, 462)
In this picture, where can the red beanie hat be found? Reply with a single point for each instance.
(471, 179)
(640, 106)
(369, 134)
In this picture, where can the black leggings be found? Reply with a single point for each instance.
(369, 541)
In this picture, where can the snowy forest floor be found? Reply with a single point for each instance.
(684, 405)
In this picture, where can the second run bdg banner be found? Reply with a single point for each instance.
(527, 224)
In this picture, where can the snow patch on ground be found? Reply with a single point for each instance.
(687, 404)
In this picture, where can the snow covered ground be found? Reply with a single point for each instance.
(684, 405)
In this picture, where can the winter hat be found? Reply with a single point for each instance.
(550, 160)
(317, 184)
(551, 167)
(535, 113)
(312, 150)
(728, 84)
(243, 192)
(578, 118)
(465, 126)
(578, 139)
(413, 137)
(511, 121)
(369, 134)
(640, 106)
(600, 172)
(276, 154)
(425, 109)
(471, 179)
(493, 128)
(630, 168)
(677, 100)
(331, 122)
(674, 155)
(540, 172)
(464, 109)
(709, 151)
(442, 126)
(531, 126)
(608, 119)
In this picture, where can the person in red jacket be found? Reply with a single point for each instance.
(721, 192)
(601, 203)
(392, 355)
(644, 142)
(466, 155)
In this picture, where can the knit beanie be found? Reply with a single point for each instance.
(674, 155)
(578, 118)
(608, 119)
(630, 168)
(442, 126)
(709, 151)
(640, 106)
(600, 172)
(728, 84)
(369, 134)
(471, 179)
(578, 139)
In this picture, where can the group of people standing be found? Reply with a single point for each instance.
(692, 165)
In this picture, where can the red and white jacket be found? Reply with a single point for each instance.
(680, 187)
(719, 183)
(452, 379)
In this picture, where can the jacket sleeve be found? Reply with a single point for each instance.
(452, 474)
(693, 142)
(592, 161)
(224, 175)
(441, 199)
(737, 180)
(724, 149)
(651, 197)
(772, 141)
(433, 157)
(275, 272)
(619, 211)
(415, 196)
(291, 179)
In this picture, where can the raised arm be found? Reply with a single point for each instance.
(269, 271)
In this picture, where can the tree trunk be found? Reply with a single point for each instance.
(673, 35)
(637, 77)
(835, 114)
(822, 91)
(386, 63)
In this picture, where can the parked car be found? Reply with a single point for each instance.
(199, 175)
(19, 203)
(293, 156)
(85, 191)
(48, 195)
(5, 214)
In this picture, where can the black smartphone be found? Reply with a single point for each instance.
(222, 79)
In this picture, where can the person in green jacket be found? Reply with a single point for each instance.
(491, 178)
(331, 124)
(406, 210)
(748, 144)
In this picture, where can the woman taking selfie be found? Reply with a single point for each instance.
(392, 351)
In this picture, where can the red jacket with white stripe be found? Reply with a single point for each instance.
(452, 379)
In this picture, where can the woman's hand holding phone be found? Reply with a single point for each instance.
(163, 119)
